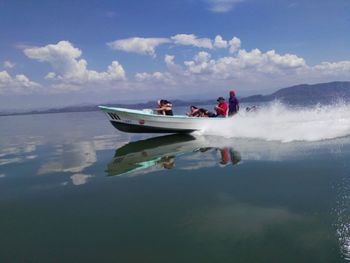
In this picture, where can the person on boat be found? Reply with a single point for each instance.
(222, 108)
(165, 107)
(205, 113)
(194, 112)
(158, 109)
(201, 112)
(233, 103)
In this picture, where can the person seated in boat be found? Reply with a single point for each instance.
(201, 112)
(194, 112)
(165, 107)
(159, 106)
(205, 113)
(159, 103)
(222, 108)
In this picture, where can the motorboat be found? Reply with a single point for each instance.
(146, 121)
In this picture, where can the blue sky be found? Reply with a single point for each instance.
(57, 53)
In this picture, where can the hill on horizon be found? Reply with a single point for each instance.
(305, 94)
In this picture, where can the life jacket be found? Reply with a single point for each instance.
(223, 109)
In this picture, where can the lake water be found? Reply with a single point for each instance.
(74, 189)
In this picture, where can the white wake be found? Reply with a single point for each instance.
(279, 122)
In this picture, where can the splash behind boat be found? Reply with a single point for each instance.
(145, 121)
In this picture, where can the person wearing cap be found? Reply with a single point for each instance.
(233, 104)
(222, 108)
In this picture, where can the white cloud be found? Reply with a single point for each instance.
(9, 64)
(243, 66)
(269, 62)
(50, 75)
(234, 44)
(248, 69)
(70, 68)
(201, 63)
(219, 42)
(147, 46)
(169, 60)
(253, 69)
(222, 6)
(192, 40)
(18, 84)
(253, 62)
(165, 77)
(138, 45)
(333, 68)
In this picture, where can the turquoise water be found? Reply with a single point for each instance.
(73, 189)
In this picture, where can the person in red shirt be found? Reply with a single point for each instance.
(222, 108)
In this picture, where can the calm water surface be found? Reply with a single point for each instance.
(73, 189)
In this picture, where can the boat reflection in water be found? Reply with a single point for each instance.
(159, 153)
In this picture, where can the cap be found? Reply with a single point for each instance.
(232, 93)
(220, 98)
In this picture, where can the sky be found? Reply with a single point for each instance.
(63, 53)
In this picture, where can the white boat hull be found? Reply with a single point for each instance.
(138, 121)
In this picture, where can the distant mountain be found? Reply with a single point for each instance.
(325, 93)
(304, 94)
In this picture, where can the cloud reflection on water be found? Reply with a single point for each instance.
(75, 157)
(19, 150)
(72, 158)
(79, 179)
